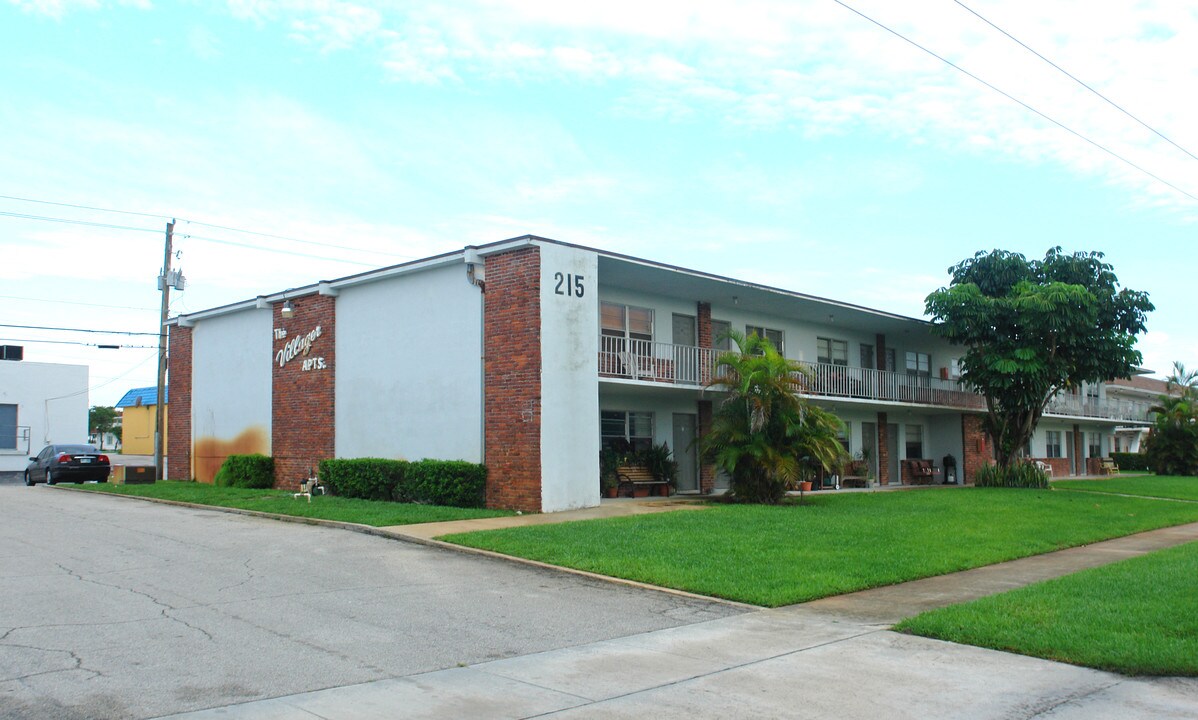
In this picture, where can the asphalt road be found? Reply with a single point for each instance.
(116, 608)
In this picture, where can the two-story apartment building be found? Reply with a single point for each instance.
(528, 354)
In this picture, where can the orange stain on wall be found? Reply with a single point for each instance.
(210, 453)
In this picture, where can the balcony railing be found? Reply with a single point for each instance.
(651, 361)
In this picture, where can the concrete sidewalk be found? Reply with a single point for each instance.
(831, 658)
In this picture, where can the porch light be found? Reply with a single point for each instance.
(287, 310)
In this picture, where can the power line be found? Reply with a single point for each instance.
(1012, 98)
(83, 207)
(149, 357)
(67, 221)
(105, 346)
(85, 330)
(228, 228)
(68, 302)
(284, 252)
(1076, 80)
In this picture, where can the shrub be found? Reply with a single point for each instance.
(1131, 461)
(246, 471)
(363, 478)
(658, 460)
(456, 483)
(1017, 475)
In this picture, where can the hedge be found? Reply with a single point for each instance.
(246, 471)
(1131, 461)
(455, 483)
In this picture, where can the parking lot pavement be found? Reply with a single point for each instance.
(113, 608)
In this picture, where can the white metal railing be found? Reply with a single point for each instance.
(885, 385)
(686, 365)
(655, 361)
(1076, 406)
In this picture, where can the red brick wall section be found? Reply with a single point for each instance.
(1079, 442)
(976, 446)
(512, 372)
(706, 469)
(883, 450)
(178, 415)
(703, 313)
(302, 389)
(880, 351)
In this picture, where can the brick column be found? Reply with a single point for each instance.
(880, 350)
(303, 387)
(1078, 446)
(178, 416)
(883, 449)
(706, 340)
(976, 447)
(512, 375)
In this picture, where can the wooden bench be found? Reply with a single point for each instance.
(854, 481)
(1108, 467)
(640, 482)
(921, 472)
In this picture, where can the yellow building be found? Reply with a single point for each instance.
(139, 409)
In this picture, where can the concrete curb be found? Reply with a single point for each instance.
(416, 540)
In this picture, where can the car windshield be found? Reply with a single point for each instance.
(76, 449)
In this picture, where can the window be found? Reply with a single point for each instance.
(1052, 443)
(919, 364)
(774, 336)
(844, 437)
(8, 427)
(617, 320)
(954, 368)
(1092, 393)
(1095, 445)
(914, 442)
(831, 352)
(719, 334)
(626, 430)
(868, 358)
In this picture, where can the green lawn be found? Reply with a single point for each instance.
(1134, 617)
(365, 512)
(1179, 488)
(835, 543)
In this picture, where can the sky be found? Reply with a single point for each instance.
(795, 143)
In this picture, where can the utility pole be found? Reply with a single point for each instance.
(160, 412)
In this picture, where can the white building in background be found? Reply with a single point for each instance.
(40, 404)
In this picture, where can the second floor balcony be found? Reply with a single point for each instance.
(658, 362)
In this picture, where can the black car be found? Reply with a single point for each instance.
(67, 463)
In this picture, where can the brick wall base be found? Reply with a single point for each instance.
(303, 403)
(976, 445)
(883, 450)
(512, 376)
(178, 415)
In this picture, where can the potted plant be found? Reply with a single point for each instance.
(609, 471)
(659, 461)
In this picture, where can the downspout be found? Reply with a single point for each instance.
(476, 275)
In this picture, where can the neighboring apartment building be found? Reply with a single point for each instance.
(139, 418)
(40, 404)
(1136, 396)
(528, 354)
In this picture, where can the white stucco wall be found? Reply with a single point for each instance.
(38, 390)
(409, 367)
(569, 379)
(231, 377)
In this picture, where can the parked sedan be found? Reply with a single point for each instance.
(67, 463)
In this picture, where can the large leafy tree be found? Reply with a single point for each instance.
(1173, 443)
(763, 434)
(1031, 328)
(100, 421)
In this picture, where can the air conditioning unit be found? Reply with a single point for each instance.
(12, 352)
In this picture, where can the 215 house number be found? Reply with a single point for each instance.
(570, 285)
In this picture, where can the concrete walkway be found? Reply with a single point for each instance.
(831, 658)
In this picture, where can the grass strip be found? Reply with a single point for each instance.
(1133, 617)
(1165, 486)
(833, 544)
(282, 502)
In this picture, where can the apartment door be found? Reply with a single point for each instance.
(892, 446)
(685, 453)
(869, 447)
(686, 355)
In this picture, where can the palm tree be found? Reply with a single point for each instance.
(763, 434)
(1173, 443)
